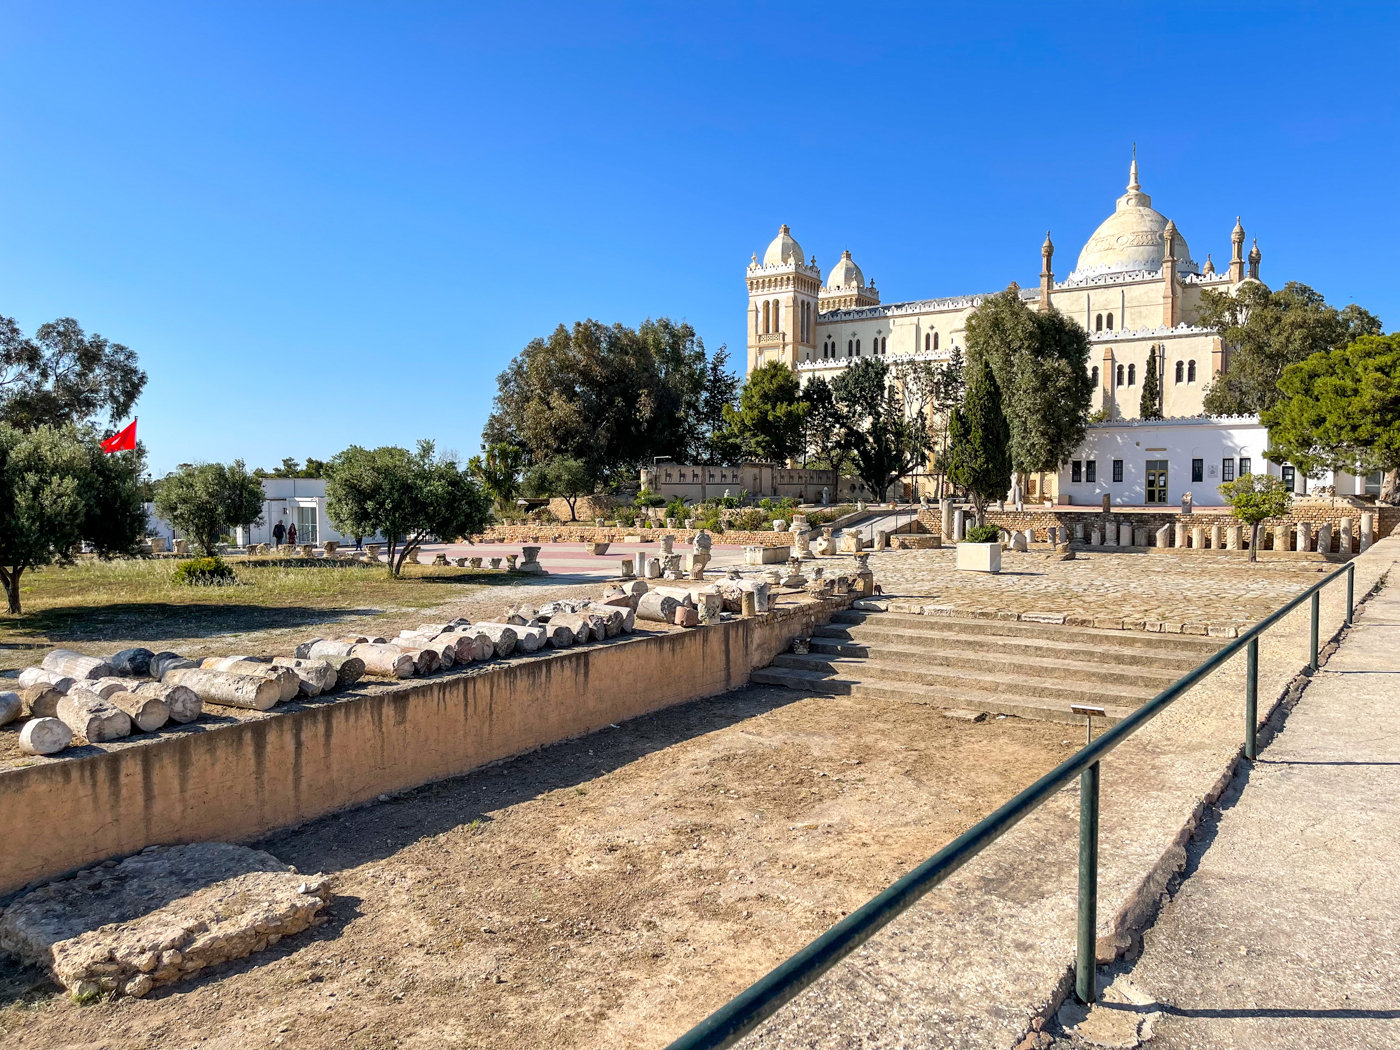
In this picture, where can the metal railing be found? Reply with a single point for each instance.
(751, 1007)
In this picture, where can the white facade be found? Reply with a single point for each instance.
(1154, 463)
(299, 501)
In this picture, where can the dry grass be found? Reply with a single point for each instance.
(96, 601)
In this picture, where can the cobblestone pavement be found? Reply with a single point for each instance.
(1098, 585)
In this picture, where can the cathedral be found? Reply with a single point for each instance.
(1134, 287)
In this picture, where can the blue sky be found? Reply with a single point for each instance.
(324, 224)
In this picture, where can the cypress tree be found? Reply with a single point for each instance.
(1151, 407)
(979, 441)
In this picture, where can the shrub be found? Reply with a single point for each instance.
(647, 498)
(751, 520)
(981, 534)
(205, 572)
(677, 509)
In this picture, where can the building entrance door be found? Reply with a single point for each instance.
(1156, 481)
(306, 525)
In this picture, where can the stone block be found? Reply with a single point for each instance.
(766, 555)
(1140, 533)
(1125, 535)
(160, 917)
(686, 616)
(979, 557)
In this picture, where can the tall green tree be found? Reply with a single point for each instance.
(822, 426)
(769, 419)
(1150, 407)
(979, 441)
(1266, 332)
(63, 376)
(614, 397)
(1340, 410)
(204, 500)
(397, 493)
(58, 489)
(715, 444)
(885, 436)
(1255, 498)
(1040, 362)
(563, 477)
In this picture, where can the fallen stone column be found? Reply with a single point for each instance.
(657, 607)
(575, 623)
(164, 662)
(622, 618)
(315, 676)
(44, 736)
(560, 635)
(528, 639)
(131, 663)
(147, 713)
(503, 636)
(285, 678)
(92, 719)
(183, 703)
(42, 675)
(76, 665)
(11, 705)
(348, 669)
(227, 690)
(40, 700)
(386, 661)
(425, 661)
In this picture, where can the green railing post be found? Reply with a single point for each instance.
(1251, 700)
(1312, 632)
(1351, 590)
(1084, 967)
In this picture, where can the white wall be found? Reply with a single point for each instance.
(1179, 442)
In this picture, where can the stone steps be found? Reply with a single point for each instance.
(1001, 667)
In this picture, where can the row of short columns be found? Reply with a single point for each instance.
(1299, 536)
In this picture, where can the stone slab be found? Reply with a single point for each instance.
(160, 916)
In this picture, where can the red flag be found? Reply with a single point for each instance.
(122, 441)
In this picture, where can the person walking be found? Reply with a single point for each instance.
(278, 531)
(292, 534)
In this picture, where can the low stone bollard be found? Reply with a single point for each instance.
(1198, 536)
(1232, 538)
(1125, 534)
(1140, 533)
(1164, 536)
(1324, 538)
(1304, 536)
(1368, 530)
(1180, 530)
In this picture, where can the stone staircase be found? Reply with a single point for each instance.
(998, 667)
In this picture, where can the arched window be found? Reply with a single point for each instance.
(1180, 371)
(1190, 371)
(849, 346)
(1098, 322)
(935, 340)
(857, 347)
(1132, 375)
(1094, 376)
(927, 343)
(777, 313)
(1120, 375)
(1109, 322)
(766, 327)
(884, 345)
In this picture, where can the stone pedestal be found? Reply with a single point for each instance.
(851, 542)
(1140, 535)
(668, 543)
(1232, 538)
(1344, 530)
(1324, 538)
(1125, 535)
(1078, 532)
(766, 555)
(882, 539)
(1198, 536)
(1280, 537)
(1304, 536)
(1180, 532)
(653, 568)
(1368, 530)
(1215, 537)
(1094, 538)
(640, 559)
(945, 516)
(979, 557)
(959, 524)
(1164, 536)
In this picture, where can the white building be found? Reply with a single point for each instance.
(299, 501)
(1155, 462)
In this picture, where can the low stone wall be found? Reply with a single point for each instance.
(237, 782)
(578, 532)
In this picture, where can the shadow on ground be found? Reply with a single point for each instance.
(156, 621)
(373, 832)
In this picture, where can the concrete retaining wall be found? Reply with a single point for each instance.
(237, 782)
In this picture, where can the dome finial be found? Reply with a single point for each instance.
(1133, 185)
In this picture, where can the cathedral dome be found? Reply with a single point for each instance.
(1132, 238)
(845, 274)
(783, 249)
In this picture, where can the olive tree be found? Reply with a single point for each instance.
(203, 500)
(1255, 498)
(59, 489)
(407, 497)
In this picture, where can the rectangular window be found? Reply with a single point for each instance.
(1244, 465)
(1156, 481)
(1288, 478)
(1117, 470)
(1373, 483)
(1091, 470)
(1198, 470)
(1075, 471)
(1227, 470)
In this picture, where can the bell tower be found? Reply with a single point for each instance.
(783, 290)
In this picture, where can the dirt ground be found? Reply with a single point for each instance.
(607, 892)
